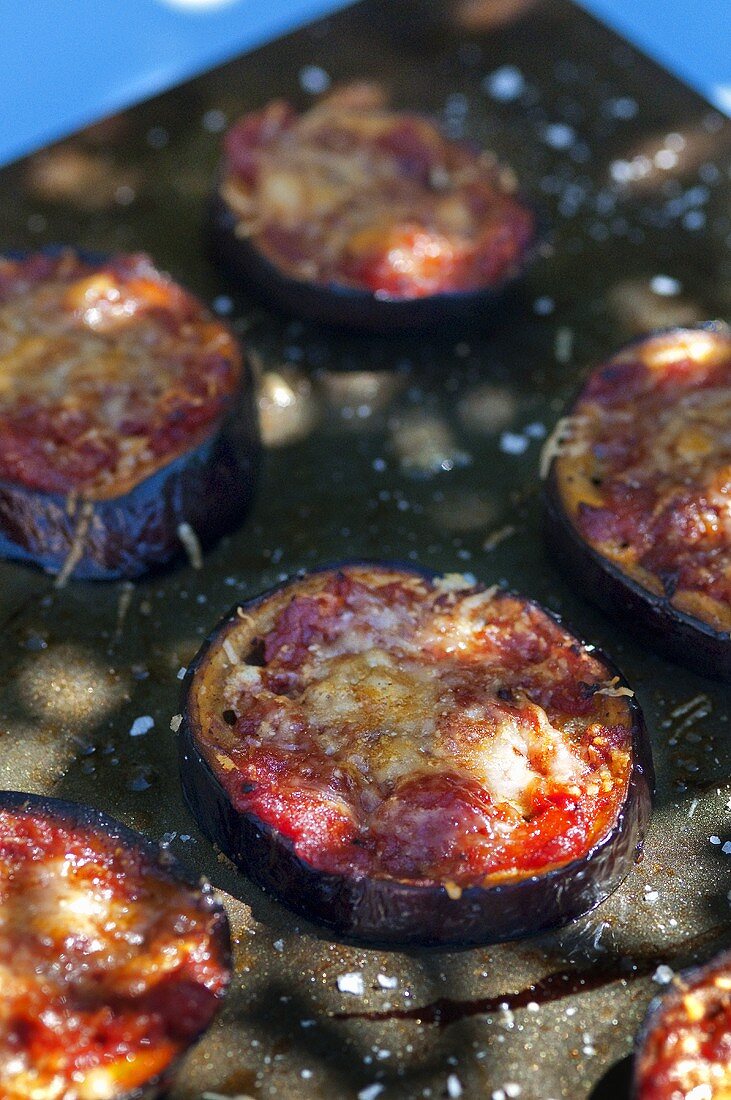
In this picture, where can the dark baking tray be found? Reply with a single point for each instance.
(423, 448)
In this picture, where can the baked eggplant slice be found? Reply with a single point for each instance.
(356, 215)
(412, 759)
(639, 493)
(114, 960)
(684, 1048)
(126, 416)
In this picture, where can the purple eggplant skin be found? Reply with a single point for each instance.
(350, 307)
(656, 1009)
(386, 913)
(210, 487)
(653, 618)
(86, 817)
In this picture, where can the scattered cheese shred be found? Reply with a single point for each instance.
(563, 440)
(78, 544)
(191, 544)
(615, 692)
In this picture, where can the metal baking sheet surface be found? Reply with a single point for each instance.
(419, 448)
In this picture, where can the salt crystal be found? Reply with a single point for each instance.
(223, 305)
(558, 135)
(504, 84)
(386, 981)
(351, 983)
(454, 1086)
(214, 121)
(544, 305)
(314, 80)
(665, 286)
(622, 107)
(511, 443)
(144, 724)
(370, 1092)
(663, 975)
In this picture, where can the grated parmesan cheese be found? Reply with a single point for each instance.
(191, 544)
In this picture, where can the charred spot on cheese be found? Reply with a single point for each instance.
(684, 1048)
(412, 731)
(640, 486)
(355, 196)
(113, 960)
(118, 395)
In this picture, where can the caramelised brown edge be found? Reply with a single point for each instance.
(88, 818)
(209, 487)
(350, 307)
(650, 616)
(385, 912)
(658, 1005)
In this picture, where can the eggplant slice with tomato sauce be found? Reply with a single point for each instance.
(359, 216)
(638, 499)
(684, 1047)
(114, 959)
(413, 759)
(127, 422)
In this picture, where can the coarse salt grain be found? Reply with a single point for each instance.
(663, 975)
(505, 83)
(387, 981)
(454, 1086)
(351, 983)
(370, 1092)
(141, 725)
(513, 444)
(665, 286)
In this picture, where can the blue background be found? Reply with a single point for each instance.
(65, 63)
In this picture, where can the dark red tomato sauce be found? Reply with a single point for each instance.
(110, 967)
(107, 371)
(352, 194)
(396, 727)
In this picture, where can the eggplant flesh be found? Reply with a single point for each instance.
(92, 823)
(385, 911)
(653, 617)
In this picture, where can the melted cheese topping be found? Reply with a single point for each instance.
(108, 966)
(415, 729)
(354, 194)
(687, 1051)
(107, 372)
(650, 485)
